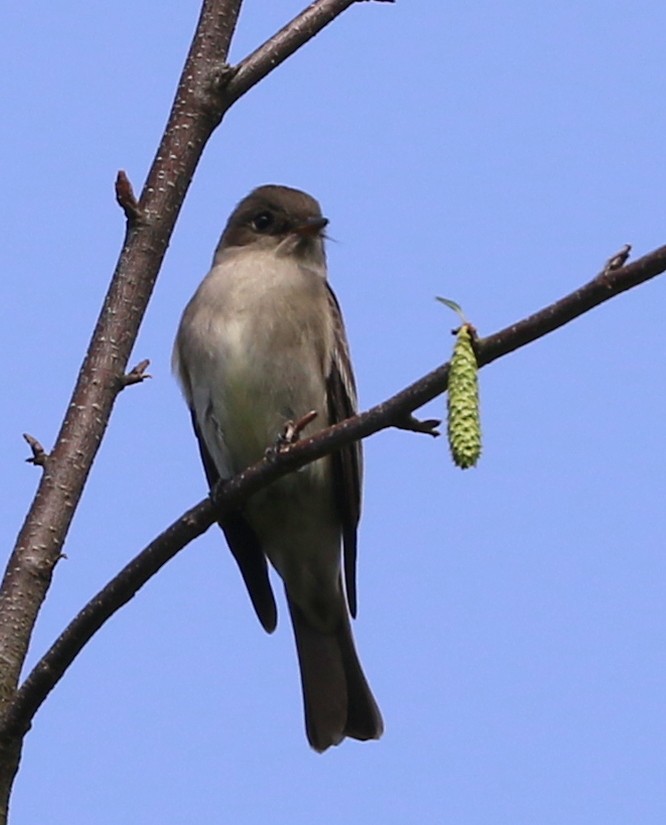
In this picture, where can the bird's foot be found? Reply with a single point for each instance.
(290, 434)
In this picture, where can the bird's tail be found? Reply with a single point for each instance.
(337, 698)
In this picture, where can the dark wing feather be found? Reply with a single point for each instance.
(347, 462)
(244, 546)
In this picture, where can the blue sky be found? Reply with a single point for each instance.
(512, 618)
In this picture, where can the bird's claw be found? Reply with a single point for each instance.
(290, 434)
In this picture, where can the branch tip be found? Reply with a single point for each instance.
(414, 425)
(136, 375)
(126, 200)
(618, 260)
(39, 454)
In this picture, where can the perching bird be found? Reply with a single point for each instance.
(261, 344)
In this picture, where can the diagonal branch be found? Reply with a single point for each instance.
(283, 44)
(231, 494)
(52, 666)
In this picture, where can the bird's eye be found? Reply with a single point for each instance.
(262, 221)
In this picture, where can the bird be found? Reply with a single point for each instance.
(261, 345)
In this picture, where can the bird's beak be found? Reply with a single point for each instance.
(311, 227)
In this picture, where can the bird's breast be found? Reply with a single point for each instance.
(266, 336)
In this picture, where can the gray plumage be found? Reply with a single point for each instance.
(261, 343)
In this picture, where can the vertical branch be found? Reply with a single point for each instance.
(191, 122)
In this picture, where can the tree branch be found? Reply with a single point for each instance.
(607, 284)
(231, 494)
(284, 43)
(39, 543)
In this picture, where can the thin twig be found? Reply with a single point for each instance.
(619, 259)
(39, 454)
(137, 374)
(230, 494)
(281, 45)
(415, 425)
(126, 200)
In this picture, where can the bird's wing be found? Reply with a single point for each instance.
(244, 545)
(347, 462)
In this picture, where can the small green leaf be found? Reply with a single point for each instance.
(452, 305)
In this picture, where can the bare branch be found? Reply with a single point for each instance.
(283, 44)
(39, 543)
(605, 286)
(51, 667)
(137, 374)
(229, 495)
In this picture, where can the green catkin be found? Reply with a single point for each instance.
(463, 421)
